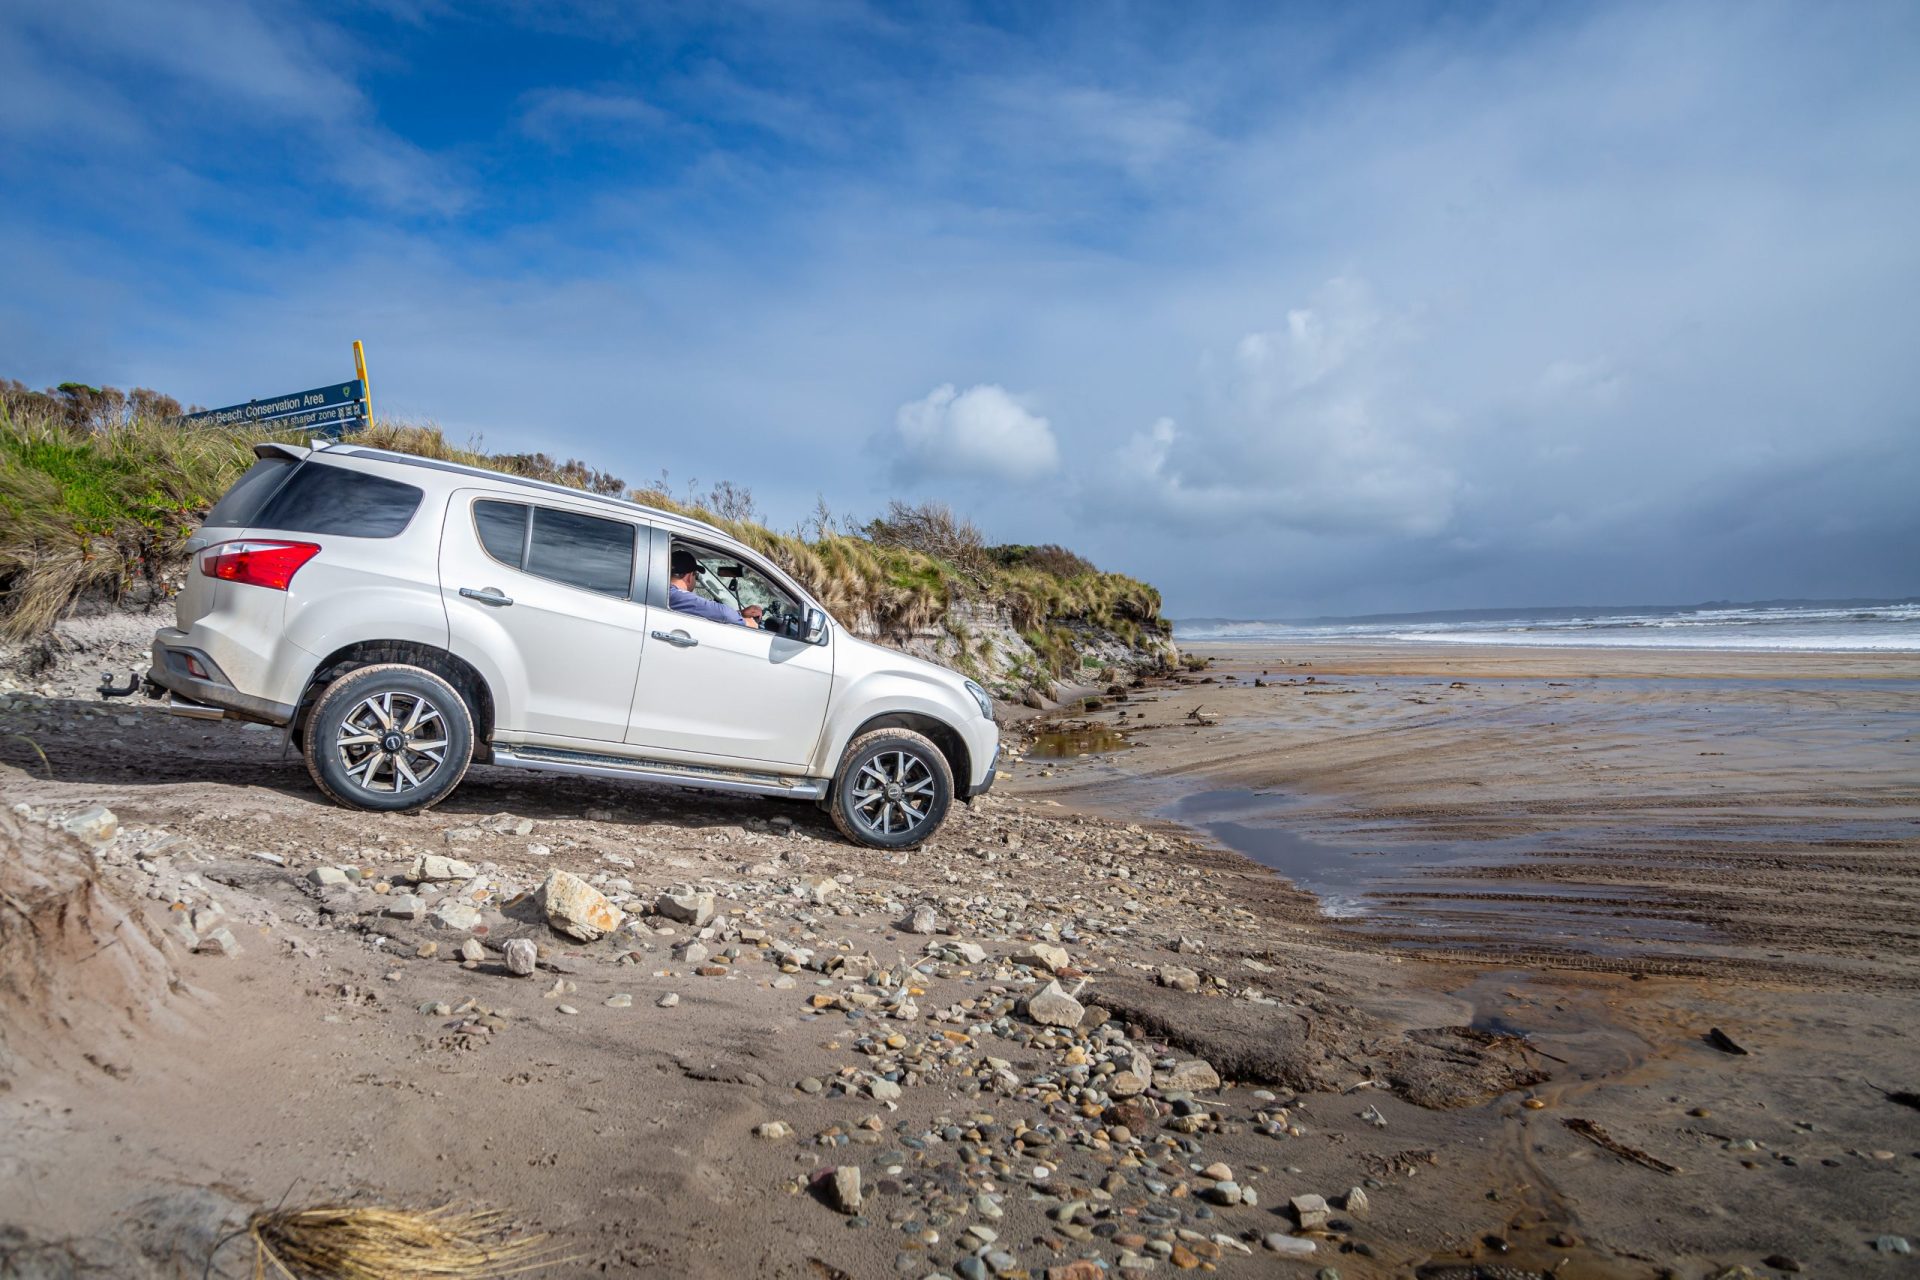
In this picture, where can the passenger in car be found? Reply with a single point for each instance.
(681, 597)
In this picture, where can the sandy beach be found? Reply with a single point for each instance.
(1620, 984)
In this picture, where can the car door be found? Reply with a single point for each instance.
(540, 598)
(722, 693)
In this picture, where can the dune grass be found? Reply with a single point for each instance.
(93, 507)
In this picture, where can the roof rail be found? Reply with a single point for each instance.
(526, 482)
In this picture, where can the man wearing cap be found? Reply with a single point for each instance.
(681, 597)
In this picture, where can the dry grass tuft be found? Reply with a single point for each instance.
(374, 1243)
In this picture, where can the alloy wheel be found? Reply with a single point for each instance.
(892, 794)
(392, 742)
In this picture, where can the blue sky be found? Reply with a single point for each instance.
(1289, 309)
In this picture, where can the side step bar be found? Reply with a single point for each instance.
(593, 765)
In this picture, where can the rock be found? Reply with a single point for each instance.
(1178, 978)
(1892, 1244)
(1223, 1193)
(566, 1008)
(819, 890)
(970, 952)
(1781, 1262)
(1078, 1269)
(434, 866)
(1310, 1211)
(621, 1001)
(96, 825)
(1289, 1246)
(326, 877)
(773, 1129)
(1192, 1076)
(521, 956)
(845, 1188)
(404, 906)
(437, 1009)
(1218, 1171)
(1044, 955)
(1053, 1007)
(691, 952)
(451, 913)
(576, 908)
(668, 1000)
(207, 919)
(473, 951)
(508, 825)
(1355, 1203)
(1125, 1084)
(695, 909)
(426, 951)
(923, 920)
(884, 1091)
(219, 942)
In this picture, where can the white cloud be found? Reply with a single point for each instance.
(552, 115)
(1304, 427)
(982, 431)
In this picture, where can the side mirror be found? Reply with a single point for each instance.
(816, 626)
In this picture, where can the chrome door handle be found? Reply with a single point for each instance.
(678, 639)
(490, 596)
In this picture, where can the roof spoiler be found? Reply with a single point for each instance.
(274, 449)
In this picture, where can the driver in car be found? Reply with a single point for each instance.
(681, 598)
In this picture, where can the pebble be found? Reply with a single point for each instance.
(219, 942)
(1291, 1246)
(1893, 1244)
(1053, 1007)
(472, 951)
(521, 956)
(326, 877)
(1355, 1202)
(1310, 1211)
(668, 1000)
(621, 1001)
(845, 1187)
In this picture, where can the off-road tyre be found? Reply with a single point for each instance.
(854, 808)
(332, 762)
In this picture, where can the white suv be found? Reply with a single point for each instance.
(403, 617)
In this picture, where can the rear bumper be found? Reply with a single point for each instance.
(170, 671)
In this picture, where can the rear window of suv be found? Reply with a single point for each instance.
(250, 493)
(327, 499)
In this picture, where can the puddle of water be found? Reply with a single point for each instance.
(1062, 744)
(1406, 884)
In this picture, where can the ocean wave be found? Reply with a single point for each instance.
(1839, 627)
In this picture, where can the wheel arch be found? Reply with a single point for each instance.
(456, 671)
(942, 735)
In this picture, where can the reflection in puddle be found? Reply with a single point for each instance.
(1061, 744)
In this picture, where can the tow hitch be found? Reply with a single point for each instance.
(108, 689)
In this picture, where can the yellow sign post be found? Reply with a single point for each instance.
(360, 368)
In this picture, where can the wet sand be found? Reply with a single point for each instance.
(1677, 812)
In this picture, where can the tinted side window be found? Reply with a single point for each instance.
(249, 493)
(503, 529)
(325, 499)
(582, 551)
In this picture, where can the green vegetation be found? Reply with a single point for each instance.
(99, 491)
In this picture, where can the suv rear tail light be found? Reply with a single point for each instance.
(258, 564)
